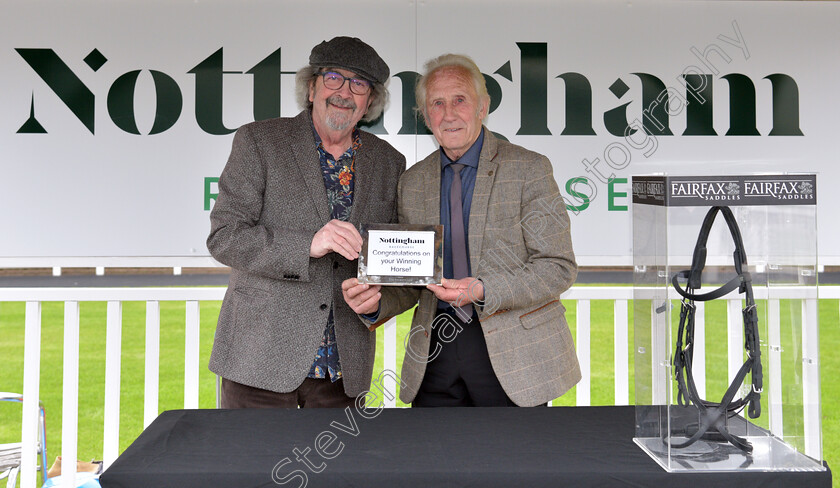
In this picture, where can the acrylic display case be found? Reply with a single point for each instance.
(682, 429)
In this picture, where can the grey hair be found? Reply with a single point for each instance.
(458, 62)
(307, 75)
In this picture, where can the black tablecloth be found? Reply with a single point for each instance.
(480, 447)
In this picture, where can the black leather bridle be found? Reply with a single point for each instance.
(712, 416)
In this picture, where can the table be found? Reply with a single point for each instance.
(480, 447)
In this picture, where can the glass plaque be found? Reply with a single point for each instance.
(401, 254)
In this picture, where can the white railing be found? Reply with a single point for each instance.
(583, 295)
(70, 389)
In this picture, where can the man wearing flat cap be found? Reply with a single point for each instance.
(291, 197)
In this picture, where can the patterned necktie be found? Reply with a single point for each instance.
(460, 268)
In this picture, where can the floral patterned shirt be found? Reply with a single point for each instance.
(339, 182)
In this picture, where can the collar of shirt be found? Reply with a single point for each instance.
(469, 158)
(351, 151)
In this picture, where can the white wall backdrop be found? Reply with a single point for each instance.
(78, 77)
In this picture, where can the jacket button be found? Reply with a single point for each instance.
(323, 306)
(335, 265)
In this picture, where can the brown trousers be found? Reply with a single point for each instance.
(312, 393)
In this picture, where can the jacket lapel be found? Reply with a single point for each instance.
(431, 189)
(363, 175)
(484, 178)
(306, 158)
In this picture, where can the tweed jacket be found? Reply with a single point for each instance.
(520, 247)
(271, 202)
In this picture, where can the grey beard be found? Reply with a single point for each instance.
(337, 121)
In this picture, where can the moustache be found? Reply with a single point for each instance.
(341, 102)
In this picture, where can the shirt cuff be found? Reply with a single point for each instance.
(372, 317)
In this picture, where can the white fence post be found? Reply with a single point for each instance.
(70, 393)
(811, 378)
(774, 343)
(191, 344)
(150, 397)
(620, 345)
(113, 356)
(31, 385)
(659, 339)
(584, 353)
(698, 348)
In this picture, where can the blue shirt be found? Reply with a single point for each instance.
(468, 173)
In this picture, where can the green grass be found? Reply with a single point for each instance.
(92, 366)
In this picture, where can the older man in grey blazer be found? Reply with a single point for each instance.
(494, 333)
(290, 199)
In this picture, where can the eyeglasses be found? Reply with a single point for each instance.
(334, 81)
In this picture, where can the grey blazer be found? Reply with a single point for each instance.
(520, 247)
(271, 202)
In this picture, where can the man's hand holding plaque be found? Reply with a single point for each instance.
(459, 292)
(362, 297)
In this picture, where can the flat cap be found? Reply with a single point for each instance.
(352, 54)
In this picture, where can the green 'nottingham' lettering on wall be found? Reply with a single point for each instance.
(612, 194)
(209, 181)
(572, 189)
(691, 98)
